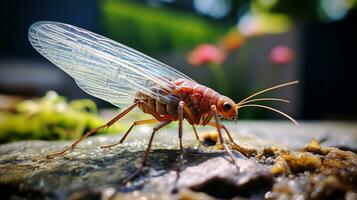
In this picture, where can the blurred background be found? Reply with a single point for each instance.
(236, 47)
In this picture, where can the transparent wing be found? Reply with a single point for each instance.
(100, 66)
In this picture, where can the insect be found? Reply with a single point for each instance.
(128, 79)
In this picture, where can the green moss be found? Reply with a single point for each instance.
(50, 118)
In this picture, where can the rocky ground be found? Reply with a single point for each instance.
(283, 163)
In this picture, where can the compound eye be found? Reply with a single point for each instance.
(227, 106)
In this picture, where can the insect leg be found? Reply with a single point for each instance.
(240, 149)
(140, 122)
(147, 151)
(94, 130)
(209, 117)
(180, 110)
(151, 111)
(191, 119)
(230, 154)
(196, 134)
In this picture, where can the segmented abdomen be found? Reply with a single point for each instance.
(163, 109)
(198, 98)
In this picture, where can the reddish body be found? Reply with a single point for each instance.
(198, 100)
(102, 67)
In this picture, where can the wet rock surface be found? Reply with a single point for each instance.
(88, 170)
(274, 171)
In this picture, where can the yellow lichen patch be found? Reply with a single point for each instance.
(280, 167)
(342, 164)
(209, 138)
(301, 161)
(212, 139)
(317, 173)
(287, 162)
(313, 147)
(270, 152)
(219, 147)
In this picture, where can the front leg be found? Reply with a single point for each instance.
(240, 149)
(213, 113)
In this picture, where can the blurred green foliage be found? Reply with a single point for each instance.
(156, 29)
(299, 10)
(50, 118)
(306, 10)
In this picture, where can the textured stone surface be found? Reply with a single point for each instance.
(91, 172)
(25, 169)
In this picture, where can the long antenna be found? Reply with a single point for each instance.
(273, 109)
(268, 89)
(266, 99)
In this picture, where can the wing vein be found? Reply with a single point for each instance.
(100, 66)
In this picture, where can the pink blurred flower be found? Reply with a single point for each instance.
(281, 55)
(206, 53)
